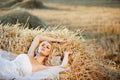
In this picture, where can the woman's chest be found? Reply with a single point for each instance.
(36, 66)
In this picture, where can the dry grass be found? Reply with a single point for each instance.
(84, 63)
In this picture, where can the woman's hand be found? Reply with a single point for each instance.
(62, 40)
(68, 52)
(65, 59)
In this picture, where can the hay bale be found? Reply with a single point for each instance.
(21, 3)
(32, 4)
(87, 67)
(84, 65)
(22, 17)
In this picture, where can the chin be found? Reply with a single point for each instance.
(43, 54)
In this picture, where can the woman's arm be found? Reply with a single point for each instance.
(65, 59)
(63, 65)
(40, 38)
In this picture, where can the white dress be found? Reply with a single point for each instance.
(20, 68)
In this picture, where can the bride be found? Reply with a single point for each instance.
(29, 65)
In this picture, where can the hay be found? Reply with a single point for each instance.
(111, 47)
(23, 17)
(84, 65)
(32, 4)
(21, 3)
(87, 67)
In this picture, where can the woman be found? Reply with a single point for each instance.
(25, 64)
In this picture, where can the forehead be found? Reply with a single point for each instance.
(46, 42)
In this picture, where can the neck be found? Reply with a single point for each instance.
(40, 59)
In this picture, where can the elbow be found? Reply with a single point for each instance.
(38, 37)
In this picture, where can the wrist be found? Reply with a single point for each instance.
(66, 53)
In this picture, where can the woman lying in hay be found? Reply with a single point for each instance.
(26, 64)
(82, 64)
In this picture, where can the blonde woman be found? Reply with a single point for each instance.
(27, 64)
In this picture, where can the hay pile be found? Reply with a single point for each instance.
(84, 65)
(23, 17)
(29, 4)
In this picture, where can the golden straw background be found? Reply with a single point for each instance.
(84, 63)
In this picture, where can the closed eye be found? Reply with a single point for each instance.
(43, 44)
(48, 47)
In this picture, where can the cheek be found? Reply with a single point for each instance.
(49, 50)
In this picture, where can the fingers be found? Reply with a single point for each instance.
(62, 40)
(68, 51)
(65, 39)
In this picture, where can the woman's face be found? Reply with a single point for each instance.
(44, 48)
